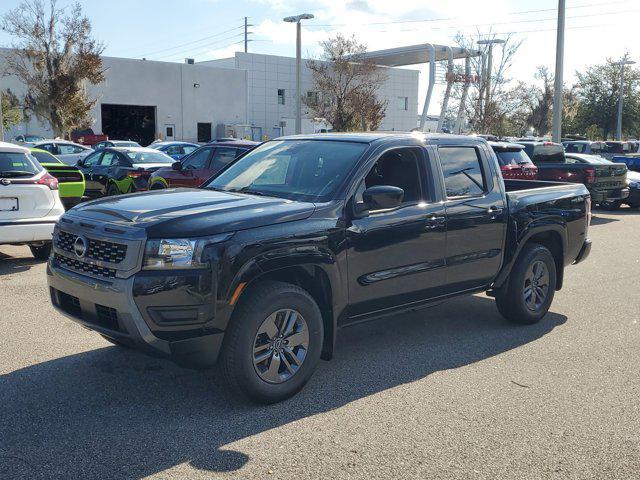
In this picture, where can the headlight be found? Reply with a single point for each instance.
(178, 252)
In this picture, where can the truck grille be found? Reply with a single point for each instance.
(83, 267)
(96, 249)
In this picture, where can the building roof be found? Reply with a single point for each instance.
(416, 54)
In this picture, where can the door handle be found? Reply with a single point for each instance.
(494, 212)
(432, 222)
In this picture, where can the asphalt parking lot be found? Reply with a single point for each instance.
(449, 392)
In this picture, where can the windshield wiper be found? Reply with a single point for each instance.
(248, 191)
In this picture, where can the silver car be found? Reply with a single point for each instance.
(67, 152)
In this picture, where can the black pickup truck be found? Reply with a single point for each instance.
(303, 235)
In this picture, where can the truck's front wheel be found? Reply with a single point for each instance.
(273, 343)
(529, 291)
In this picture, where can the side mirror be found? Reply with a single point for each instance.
(381, 197)
(177, 166)
(80, 163)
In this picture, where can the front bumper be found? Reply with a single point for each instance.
(108, 307)
(634, 197)
(584, 251)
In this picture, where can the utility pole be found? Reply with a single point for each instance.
(622, 63)
(556, 129)
(246, 35)
(488, 72)
(297, 20)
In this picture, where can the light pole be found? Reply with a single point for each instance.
(488, 71)
(297, 20)
(556, 126)
(622, 63)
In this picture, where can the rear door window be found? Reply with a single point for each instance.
(462, 170)
(109, 159)
(222, 157)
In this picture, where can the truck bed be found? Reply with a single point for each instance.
(522, 193)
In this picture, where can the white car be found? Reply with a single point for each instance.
(67, 152)
(29, 201)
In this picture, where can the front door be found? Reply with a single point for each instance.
(476, 217)
(195, 167)
(397, 256)
(87, 166)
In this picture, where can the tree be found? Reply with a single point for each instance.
(542, 107)
(492, 116)
(54, 55)
(11, 112)
(597, 90)
(347, 84)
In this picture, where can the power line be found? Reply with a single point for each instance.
(459, 17)
(205, 47)
(190, 43)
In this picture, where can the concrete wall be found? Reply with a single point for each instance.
(268, 73)
(220, 98)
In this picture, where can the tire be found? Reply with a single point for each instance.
(157, 186)
(612, 205)
(113, 190)
(115, 342)
(511, 299)
(41, 252)
(247, 328)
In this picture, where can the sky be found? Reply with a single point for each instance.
(205, 29)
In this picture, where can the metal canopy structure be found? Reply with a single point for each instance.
(430, 53)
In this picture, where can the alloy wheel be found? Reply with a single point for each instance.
(536, 285)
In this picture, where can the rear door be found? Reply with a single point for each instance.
(222, 157)
(476, 216)
(105, 170)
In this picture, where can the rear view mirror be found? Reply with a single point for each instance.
(177, 166)
(381, 197)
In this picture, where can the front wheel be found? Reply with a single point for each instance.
(113, 190)
(273, 343)
(157, 186)
(41, 252)
(612, 204)
(530, 288)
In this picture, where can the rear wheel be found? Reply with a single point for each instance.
(113, 190)
(41, 252)
(612, 205)
(273, 343)
(157, 186)
(529, 291)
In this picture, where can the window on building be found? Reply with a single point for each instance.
(281, 98)
(462, 171)
(403, 103)
(313, 98)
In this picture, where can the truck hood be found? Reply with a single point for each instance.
(190, 212)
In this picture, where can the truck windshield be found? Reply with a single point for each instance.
(307, 170)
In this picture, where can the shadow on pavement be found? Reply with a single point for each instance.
(9, 264)
(114, 413)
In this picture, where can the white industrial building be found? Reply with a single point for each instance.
(272, 89)
(249, 95)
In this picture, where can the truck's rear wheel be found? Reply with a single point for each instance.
(529, 291)
(273, 343)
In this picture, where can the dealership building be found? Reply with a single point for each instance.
(249, 95)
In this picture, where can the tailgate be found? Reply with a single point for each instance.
(610, 176)
(19, 201)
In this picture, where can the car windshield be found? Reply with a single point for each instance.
(307, 170)
(45, 157)
(17, 164)
(514, 156)
(149, 157)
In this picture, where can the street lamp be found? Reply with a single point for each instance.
(489, 42)
(622, 63)
(297, 19)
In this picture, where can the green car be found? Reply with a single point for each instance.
(70, 179)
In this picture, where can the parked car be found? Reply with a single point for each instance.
(68, 152)
(585, 146)
(197, 167)
(116, 170)
(514, 162)
(632, 161)
(633, 182)
(70, 179)
(29, 201)
(30, 139)
(306, 234)
(115, 143)
(606, 182)
(175, 150)
(87, 137)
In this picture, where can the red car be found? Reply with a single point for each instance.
(200, 165)
(514, 161)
